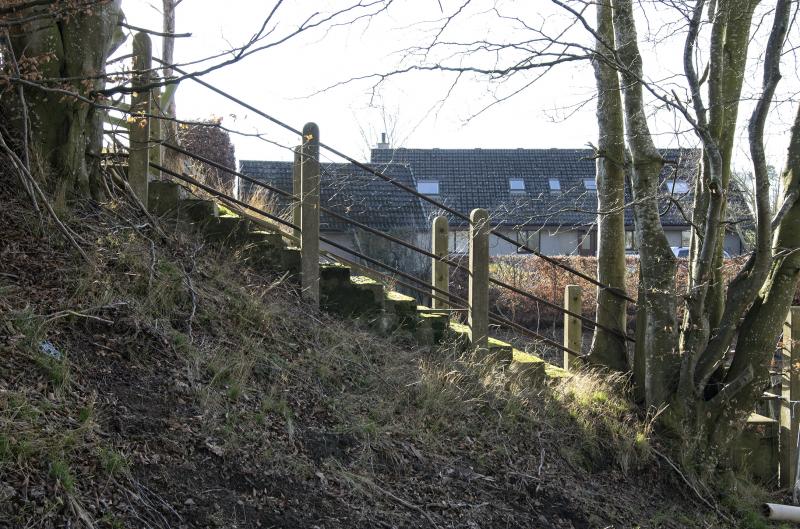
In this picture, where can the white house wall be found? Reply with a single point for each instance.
(733, 244)
(673, 237)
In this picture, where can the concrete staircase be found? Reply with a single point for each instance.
(341, 291)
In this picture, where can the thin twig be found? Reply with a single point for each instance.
(694, 489)
(84, 313)
(396, 498)
(120, 181)
(190, 285)
(20, 166)
(25, 125)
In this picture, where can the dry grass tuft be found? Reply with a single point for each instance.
(189, 402)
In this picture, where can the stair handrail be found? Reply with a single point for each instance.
(522, 246)
(393, 239)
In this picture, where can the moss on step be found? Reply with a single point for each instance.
(369, 285)
(334, 274)
(397, 296)
(339, 294)
(519, 361)
(225, 211)
(434, 322)
(364, 280)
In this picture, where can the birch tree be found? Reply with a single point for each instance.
(690, 368)
(701, 356)
(608, 348)
(170, 127)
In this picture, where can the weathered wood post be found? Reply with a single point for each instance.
(139, 122)
(309, 210)
(790, 391)
(479, 278)
(297, 189)
(440, 271)
(573, 332)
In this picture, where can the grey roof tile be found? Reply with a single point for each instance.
(350, 191)
(472, 178)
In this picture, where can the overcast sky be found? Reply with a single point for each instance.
(422, 109)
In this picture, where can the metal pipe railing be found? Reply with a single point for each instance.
(219, 194)
(401, 242)
(400, 185)
(451, 299)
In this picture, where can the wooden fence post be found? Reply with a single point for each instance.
(479, 278)
(573, 331)
(790, 391)
(309, 210)
(440, 271)
(297, 187)
(139, 124)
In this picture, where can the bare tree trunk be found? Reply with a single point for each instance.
(66, 133)
(659, 347)
(758, 334)
(609, 349)
(735, 19)
(172, 159)
(745, 286)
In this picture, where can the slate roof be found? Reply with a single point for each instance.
(472, 178)
(348, 190)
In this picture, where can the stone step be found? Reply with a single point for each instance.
(163, 197)
(229, 230)
(757, 448)
(266, 238)
(370, 285)
(400, 313)
(431, 326)
(290, 261)
(400, 304)
(196, 212)
(502, 351)
(333, 275)
(343, 296)
(263, 249)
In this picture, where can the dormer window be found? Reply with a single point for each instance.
(590, 184)
(516, 185)
(555, 185)
(678, 187)
(428, 187)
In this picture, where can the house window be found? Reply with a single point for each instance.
(590, 184)
(459, 241)
(678, 187)
(555, 185)
(630, 243)
(586, 241)
(428, 187)
(686, 238)
(516, 185)
(529, 239)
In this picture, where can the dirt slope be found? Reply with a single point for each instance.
(166, 387)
